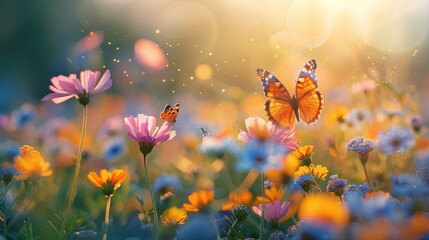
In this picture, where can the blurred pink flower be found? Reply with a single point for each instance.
(259, 129)
(273, 212)
(90, 83)
(143, 129)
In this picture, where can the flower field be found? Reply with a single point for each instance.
(198, 127)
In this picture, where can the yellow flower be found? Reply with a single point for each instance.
(107, 181)
(337, 115)
(318, 171)
(302, 154)
(198, 200)
(31, 164)
(323, 208)
(272, 194)
(174, 216)
(244, 198)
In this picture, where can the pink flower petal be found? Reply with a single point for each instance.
(104, 83)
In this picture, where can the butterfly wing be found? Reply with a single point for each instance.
(279, 106)
(170, 114)
(310, 101)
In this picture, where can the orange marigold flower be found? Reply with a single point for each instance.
(324, 208)
(302, 154)
(272, 194)
(244, 198)
(31, 164)
(174, 216)
(318, 171)
(198, 200)
(107, 181)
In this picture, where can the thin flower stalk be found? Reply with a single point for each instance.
(107, 217)
(155, 212)
(76, 172)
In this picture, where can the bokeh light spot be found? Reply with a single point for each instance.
(203, 72)
(149, 54)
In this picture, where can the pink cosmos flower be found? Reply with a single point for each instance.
(90, 83)
(273, 212)
(259, 129)
(143, 129)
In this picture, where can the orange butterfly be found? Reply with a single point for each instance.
(282, 108)
(170, 113)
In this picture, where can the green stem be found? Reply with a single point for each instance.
(106, 217)
(76, 172)
(366, 175)
(232, 226)
(261, 226)
(155, 212)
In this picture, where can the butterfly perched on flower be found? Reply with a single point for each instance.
(170, 113)
(282, 108)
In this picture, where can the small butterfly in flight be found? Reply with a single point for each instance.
(170, 113)
(282, 108)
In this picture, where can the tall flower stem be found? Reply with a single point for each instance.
(261, 226)
(107, 217)
(366, 175)
(155, 212)
(76, 172)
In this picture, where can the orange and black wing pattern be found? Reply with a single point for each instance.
(310, 100)
(170, 113)
(279, 106)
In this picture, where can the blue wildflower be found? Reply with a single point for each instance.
(10, 150)
(362, 146)
(395, 139)
(406, 185)
(336, 185)
(311, 230)
(260, 155)
(7, 172)
(423, 173)
(360, 189)
(23, 115)
(217, 147)
(114, 148)
(305, 181)
(197, 227)
(166, 183)
(378, 206)
(354, 202)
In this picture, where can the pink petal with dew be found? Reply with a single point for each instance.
(104, 83)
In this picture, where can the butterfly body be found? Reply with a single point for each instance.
(169, 114)
(283, 108)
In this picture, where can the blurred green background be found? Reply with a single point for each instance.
(209, 50)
